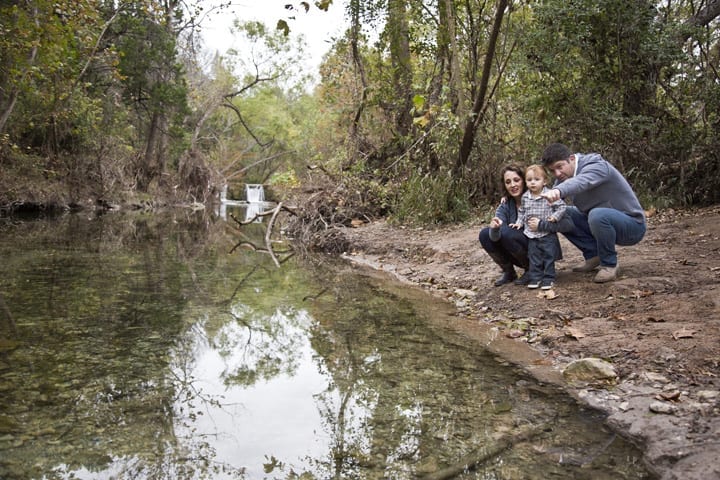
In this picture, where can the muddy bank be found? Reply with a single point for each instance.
(658, 324)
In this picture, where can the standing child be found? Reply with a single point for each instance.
(543, 246)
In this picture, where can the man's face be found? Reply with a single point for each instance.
(563, 169)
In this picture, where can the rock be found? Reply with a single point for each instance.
(589, 370)
(464, 293)
(662, 407)
(656, 377)
(708, 395)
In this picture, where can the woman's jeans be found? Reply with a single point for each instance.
(597, 234)
(511, 249)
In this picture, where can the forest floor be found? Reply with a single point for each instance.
(658, 324)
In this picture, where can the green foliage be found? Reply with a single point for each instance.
(118, 99)
(613, 77)
(431, 199)
(286, 179)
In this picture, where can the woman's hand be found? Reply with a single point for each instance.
(495, 223)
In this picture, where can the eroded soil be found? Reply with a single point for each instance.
(658, 324)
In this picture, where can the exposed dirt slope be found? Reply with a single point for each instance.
(659, 323)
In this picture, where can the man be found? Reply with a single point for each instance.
(605, 211)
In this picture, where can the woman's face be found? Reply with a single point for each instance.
(513, 184)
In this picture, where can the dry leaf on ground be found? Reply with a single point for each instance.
(683, 333)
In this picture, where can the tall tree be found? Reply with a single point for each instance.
(402, 69)
(154, 83)
(479, 102)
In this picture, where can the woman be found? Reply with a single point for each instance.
(507, 246)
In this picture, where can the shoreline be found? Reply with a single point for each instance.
(673, 419)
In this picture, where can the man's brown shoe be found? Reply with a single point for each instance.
(588, 265)
(606, 274)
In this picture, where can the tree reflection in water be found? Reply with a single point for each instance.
(141, 349)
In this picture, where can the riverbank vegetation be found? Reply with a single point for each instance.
(416, 107)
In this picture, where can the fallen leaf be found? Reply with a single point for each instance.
(547, 294)
(574, 333)
(673, 395)
(542, 361)
(683, 333)
(642, 293)
(514, 333)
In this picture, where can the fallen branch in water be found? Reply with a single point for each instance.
(268, 234)
(482, 455)
(280, 206)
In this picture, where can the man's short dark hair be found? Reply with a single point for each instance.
(555, 152)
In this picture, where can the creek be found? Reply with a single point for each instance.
(138, 346)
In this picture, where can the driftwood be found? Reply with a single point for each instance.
(482, 455)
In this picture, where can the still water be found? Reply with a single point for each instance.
(149, 347)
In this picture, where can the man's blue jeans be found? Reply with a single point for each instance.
(597, 234)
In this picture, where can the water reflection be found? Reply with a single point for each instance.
(141, 348)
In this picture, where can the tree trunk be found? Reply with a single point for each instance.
(355, 28)
(398, 29)
(475, 117)
(7, 105)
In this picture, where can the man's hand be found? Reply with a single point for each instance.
(495, 223)
(551, 196)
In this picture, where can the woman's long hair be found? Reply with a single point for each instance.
(516, 168)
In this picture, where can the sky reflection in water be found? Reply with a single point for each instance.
(140, 348)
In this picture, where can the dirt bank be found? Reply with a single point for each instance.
(658, 324)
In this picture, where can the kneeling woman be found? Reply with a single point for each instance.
(507, 246)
